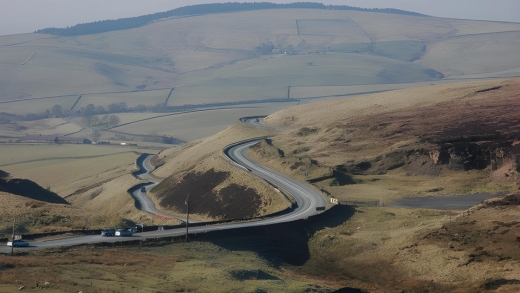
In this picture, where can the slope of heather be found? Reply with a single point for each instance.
(423, 135)
(434, 140)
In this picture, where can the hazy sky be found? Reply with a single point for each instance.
(24, 16)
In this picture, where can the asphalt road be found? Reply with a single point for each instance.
(458, 202)
(142, 201)
(307, 198)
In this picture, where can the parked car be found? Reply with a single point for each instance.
(17, 243)
(123, 232)
(108, 232)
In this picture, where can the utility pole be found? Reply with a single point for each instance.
(12, 239)
(187, 202)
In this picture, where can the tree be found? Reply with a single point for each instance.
(94, 120)
(265, 48)
(96, 134)
(117, 107)
(57, 111)
(140, 108)
(113, 120)
(100, 110)
(89, 110)
(86, 120)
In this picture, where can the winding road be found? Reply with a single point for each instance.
(308, 200)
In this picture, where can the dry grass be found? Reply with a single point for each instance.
(197, 266)
(197, 125)
(441, 55)
(326, 112)
(62, 169)
(212, 57)
(52, 126)
(183, 158)
(38, 105)
(200, 156)
(227, 90)
(132, 99)
(385, 27)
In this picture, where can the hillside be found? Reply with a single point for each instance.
(184, 78)
(408, 142)
(427, 141)
(250, 55)
(28, 189)
(192, 10)
(187, 78)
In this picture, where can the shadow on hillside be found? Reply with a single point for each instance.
(280, 243)
(29, 189)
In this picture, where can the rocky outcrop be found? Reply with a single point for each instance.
(475, 155)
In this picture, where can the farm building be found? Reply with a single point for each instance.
(54, 139)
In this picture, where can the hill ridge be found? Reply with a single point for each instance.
(200, 9)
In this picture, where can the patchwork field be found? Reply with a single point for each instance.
(213, 58)
(67, 168)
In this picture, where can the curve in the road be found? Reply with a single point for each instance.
(142, 201)
(308, 200)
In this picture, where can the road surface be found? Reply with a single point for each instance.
(308, 201)
(142, 201)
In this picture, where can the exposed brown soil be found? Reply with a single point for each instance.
(233, 201)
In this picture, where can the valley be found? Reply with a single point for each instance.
(358, 105)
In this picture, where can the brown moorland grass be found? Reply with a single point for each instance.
(389, 126)
(386, 249)
(163, 267)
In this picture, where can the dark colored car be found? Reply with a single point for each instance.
(108, 232)
(17, 243)
(143, 189)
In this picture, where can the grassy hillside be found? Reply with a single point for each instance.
(265, 60)
(390, 145)
(385, 145)
(205, 53)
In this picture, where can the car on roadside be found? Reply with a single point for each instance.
(123, 232)
(18, 243)
(108, 232)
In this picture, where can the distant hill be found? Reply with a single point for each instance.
(134, 22)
